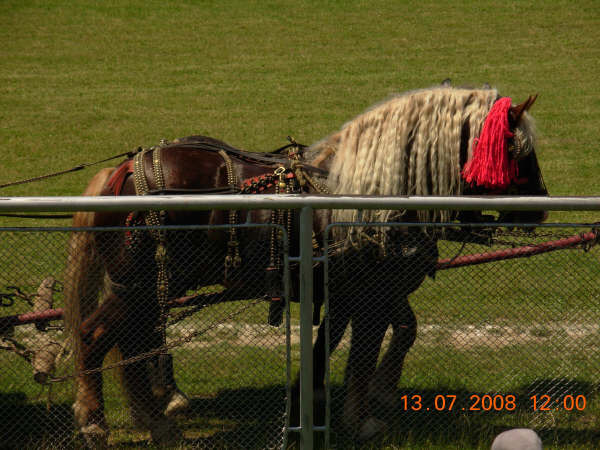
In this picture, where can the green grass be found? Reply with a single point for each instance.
(81, 81)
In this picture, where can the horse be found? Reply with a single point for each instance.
(444, 140)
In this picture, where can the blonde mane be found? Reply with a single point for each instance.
(407, 145)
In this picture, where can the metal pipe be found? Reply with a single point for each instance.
(30, 317)
(315, 428)
(517, 252)
(306, 307)
(288, 334)
(260, 201)
(327, 325)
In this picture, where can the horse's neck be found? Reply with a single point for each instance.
(320, 158)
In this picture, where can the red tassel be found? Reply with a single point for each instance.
(490, 165)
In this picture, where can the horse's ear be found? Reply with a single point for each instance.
(516, 112)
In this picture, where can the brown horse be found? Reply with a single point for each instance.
(419, 143)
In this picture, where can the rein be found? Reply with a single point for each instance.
(55, 174)
(73, 169)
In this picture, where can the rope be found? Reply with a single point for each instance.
(19, 349)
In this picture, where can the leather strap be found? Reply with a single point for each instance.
(267, 158)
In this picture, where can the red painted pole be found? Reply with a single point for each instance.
(30, 317)
(517, 252)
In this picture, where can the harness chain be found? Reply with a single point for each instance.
(281, 217)
(233, 258)
(155, 218)
(319, 187)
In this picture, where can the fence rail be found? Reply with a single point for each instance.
(238, 201)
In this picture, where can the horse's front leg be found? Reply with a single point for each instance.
(368, 330)
(98, 334)
(382, 390)
(338, 322)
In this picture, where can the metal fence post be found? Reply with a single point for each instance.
(306, 355)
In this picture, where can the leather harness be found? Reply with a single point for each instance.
(289, 176)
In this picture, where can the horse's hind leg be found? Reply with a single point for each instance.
(382, 391)
(146, 406)
(164, 387)
(98, 335)
(338, 322)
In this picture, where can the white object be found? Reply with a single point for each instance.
(517, 439)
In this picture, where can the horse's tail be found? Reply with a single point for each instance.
(84, 273)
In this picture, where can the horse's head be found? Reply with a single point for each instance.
(522, 175)
(441, 141)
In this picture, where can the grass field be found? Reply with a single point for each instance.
(84, 80)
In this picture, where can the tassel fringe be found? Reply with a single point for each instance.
(490, 165)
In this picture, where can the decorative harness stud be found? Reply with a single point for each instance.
(155, 219)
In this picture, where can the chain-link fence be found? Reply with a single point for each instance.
(221, 375)
(443, 340)
(474, 350)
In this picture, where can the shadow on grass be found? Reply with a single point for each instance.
(248, 418)
(24, 424)
(253, 418)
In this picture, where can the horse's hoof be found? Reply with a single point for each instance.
(178, 403)
(371, 428)
(95, 436)
(165, 433)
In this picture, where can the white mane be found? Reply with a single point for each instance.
(408, 145)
